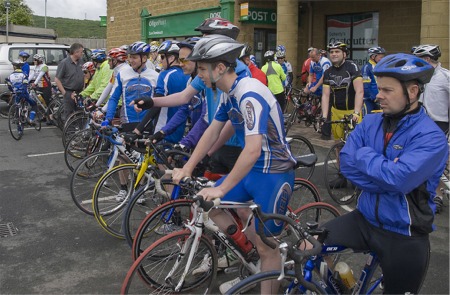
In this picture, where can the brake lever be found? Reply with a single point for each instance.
(283, 253)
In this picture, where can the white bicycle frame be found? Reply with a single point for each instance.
(195, 226)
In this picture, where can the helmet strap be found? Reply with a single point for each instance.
(214, 80)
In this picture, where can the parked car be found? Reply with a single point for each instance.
(53, 53)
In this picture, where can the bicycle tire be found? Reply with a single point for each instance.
(147, 232)
(253, 283)
(37, 124)
(80, 145)
(85, 177)
(339, 188)
(291, 119)
(300, 146)
(319, 212)
(151, 269)
(77, 122)
(5, 105)
(304, 192)
(108, 211)
(136, 211)
(14, 123)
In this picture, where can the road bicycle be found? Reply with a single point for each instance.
(304, 270)
(305, 108)
(171, 263)
(18, 118)
(340, 189)
(115, 188)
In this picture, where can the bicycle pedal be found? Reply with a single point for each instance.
(231, 269)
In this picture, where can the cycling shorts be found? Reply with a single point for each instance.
(271, 191)
(337, 129)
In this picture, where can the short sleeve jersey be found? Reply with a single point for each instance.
(253, 109)
(340, 80)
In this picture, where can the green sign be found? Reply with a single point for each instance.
(102, 21)
(260, 16)
(179, 24)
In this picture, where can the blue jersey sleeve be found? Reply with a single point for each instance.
(198, 84)
(177, 119)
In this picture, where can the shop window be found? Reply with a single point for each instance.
(359, 31)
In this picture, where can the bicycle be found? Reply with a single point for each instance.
(304, 108)
(109, 203)
(146, 226)
(18, 118)
(176, 274)
(39, 99)
(309, 273)
(340, 190)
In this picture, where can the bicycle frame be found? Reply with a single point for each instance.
(199, 221)
(363, 285)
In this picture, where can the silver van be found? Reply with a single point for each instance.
(53, 53)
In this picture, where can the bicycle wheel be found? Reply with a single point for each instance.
(110, 197)
(288, 285)
(79, 121)
(301, 146)
(5, 105)
(290, 118)
(304, 192)
(144, 201)
(161, 221)
(14, 123)
(341, 191)
(161, 266)
(85, 177)
(319, 212)
(80, 145)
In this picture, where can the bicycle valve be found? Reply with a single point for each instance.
(283, 252)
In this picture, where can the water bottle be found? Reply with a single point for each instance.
(346, 274)
(241, 241)
(32, 115)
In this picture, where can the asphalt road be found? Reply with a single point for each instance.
(58, 249)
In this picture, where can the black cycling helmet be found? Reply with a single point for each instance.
(269, 55)
(219, 26)
(404, 67)
(431, 50)
(214, 48)
(189, 42)
(338, 45)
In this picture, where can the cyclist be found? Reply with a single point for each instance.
(101, 77)
(256, 73)
(369, 81)
(435, 97)
(258, 174)
(23, 56)
(396, 159)
(287, 67)
(117, 58)
(275, 78)
(18, 84)
(154, 62)
(342, 89)
(88, 71)
(223, 157)
(40, 79)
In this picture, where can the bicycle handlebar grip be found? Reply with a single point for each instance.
(206, 205)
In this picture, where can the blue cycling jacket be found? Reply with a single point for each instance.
(397, 195)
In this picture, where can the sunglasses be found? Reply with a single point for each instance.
(162, 57)
(183, 60)
(280, 57)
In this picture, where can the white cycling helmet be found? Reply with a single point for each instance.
(431, 50)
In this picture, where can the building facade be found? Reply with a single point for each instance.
(297, 24)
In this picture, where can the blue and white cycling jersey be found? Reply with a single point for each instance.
(318, 68)
(212, 98)
(171, 81)
(131, 85)
(253, 109)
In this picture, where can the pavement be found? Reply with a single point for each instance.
(48, 246)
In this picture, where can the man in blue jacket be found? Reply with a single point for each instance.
(396, 159)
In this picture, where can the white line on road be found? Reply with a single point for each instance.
(46, 127)
(46, 154)
(322, 163)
